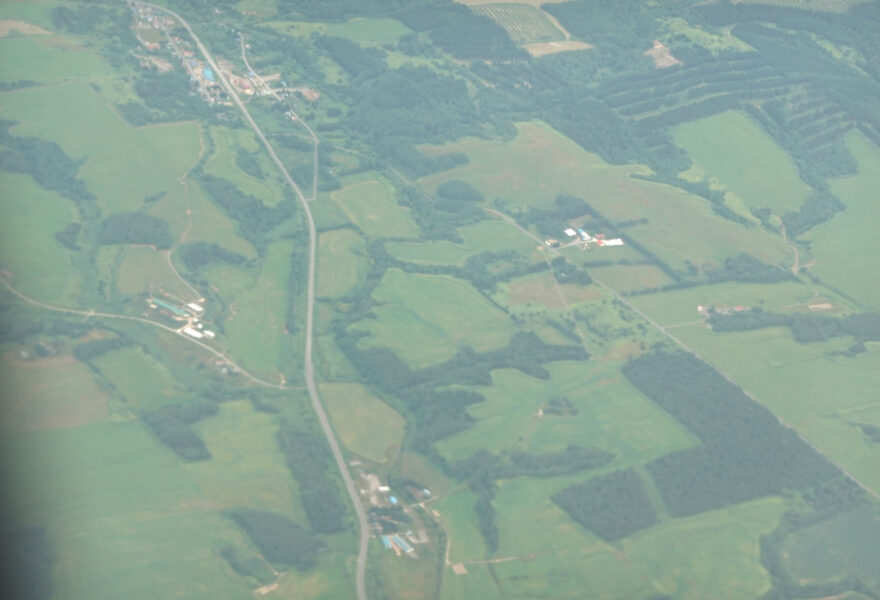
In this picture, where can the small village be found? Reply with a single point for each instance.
(583, 240)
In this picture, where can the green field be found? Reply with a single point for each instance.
(124, 164)
(49, 393)
(342, 262)
(476, 583)
(144, 383)
(713, 555)
(222, 164)
(844, 545)
(845, 247)
(463, 536)
(611, 415)
(39, 265)
(485, 236)
(256, 328)
(680, 306)
(370, 206)
(626, 278)
(807, 385)
(143, 269)
(426, 318)
(369, 31)
(732, 151)
(541, 163)
(123, 518)
(247, 468)
(46, 59)
(38, 13)
(366, 425)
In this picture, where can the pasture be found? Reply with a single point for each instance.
(844, 545)
(124, 164)
(369, 205)
(38, 13)
(627, 278)
(476, 583)
(541, 289)
(711, 555)
(124, 519)
(485, 236)
(144, 382)
(256, 327)
(143, 269)
(247, 468)
(540, 163)
(48, 393)
(811, 386)
(46, 59)
(736, 154)
(845, 247)
(611, 415)
(523, 23)
(41, 267)
(365, 424)
(222, 163)
(675, 307)
(463, 536)
(342, 263)
(427, 318)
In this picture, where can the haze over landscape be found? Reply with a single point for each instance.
(434, 299)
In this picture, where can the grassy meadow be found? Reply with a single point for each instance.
(426, 318)
(540, 163)
(735, 154)
(143, 381)
(365, 424)
(845, 247)
(342, 263)
(370, 206)
(485, 236)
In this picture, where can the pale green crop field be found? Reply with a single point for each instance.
(370, 206)
(485, 236)
(256, 328)
(40, 266)
(144, 382)
(365, 424)
(143, 269)
(457, 513)
(732, 151)
(123, 517)
(477, 583)
(845, 248)
(123, 164)
(247, 468)
(342, 263)
(426, 318)
(46, 59)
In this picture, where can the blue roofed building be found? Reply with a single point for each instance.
(208, 74)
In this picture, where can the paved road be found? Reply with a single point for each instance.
(308, 368)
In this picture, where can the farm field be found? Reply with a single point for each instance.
(844, 544)
(222, 163)
(810, 386)
(477, 583)
(370, 207)
(365, 424)
(126, 164)
(844, 247)
(37, 13)
(247, 467)
(46, 59)
(426, 318)
(49, 393)
(748, 163)
(610, 415)
(463, 536)
(485, 236)
(627, 278)
(143, 382)
(540, 163)
(718, 551)
(677, 307)
(143, 269)
(256, 328)
(40, 266)
(341, 263)
(114, 544)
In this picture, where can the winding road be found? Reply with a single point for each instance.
(308, 367)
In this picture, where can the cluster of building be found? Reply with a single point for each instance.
(189, 313)
(586, 238)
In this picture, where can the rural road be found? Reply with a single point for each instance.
(310, 305)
